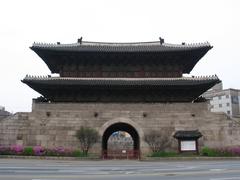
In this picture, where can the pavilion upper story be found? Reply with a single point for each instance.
(130, 60)
(121, 72)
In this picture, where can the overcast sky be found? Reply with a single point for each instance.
(24, 21)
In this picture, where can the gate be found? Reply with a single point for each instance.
(121, 154)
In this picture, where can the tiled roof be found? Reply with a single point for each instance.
(187, 134)
(86, 46)
(121, 81)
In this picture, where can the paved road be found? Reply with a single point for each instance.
(11, 169)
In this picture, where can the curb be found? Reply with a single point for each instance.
(50, 158)
(188, 158)
(99, 159)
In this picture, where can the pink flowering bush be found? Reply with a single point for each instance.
(17, 149)
(235, 151)
(38, 150)
(5, 150)
(59, 151)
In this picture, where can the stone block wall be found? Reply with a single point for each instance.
(55, 124)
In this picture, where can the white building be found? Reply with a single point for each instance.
(2, 108)
(3, 113)
(224, 100)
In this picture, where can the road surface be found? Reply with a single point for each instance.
(21, 169)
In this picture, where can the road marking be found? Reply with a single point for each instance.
(227, 178)
(217, 169)
(70, 171)
(53, 165)
(44, 179)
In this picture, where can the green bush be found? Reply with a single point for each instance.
(28, 151)
(78, 153)
(206, 151)
(214, 152)
(164, 154)
(224, 152)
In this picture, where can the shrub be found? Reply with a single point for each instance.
(213, 152)
(16, 149)
(78, 153)
(59, 151)
(5, 150)
(206, 151)
(38, 151)
(160, 140)
(87, 137)
(235, 151)
(50, 152)
(68, 152)
(164, 154)
(223, 152)
(28, 151)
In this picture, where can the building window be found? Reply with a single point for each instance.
(220, 105)
(227, 96)
(235, 100)
(228, 104)
(219, 97)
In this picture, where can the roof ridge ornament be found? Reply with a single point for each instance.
(80, 40)
(161, 40)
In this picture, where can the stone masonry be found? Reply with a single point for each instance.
(55, 124)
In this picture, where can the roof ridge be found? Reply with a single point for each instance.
(119, 44)
(48, 77)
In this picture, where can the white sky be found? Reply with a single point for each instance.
(24, 21)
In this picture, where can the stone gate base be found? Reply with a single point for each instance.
(55, 124)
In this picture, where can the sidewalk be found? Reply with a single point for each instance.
(199, 158)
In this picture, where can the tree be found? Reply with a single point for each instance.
(158, 140)
(87, 137)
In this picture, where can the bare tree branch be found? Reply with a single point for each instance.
(159, 140)
(87, 137)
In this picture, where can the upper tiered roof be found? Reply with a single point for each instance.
(183, 56)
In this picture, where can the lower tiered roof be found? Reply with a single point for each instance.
(62, 89)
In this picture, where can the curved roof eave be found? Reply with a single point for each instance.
(121, 81)
(86, 46)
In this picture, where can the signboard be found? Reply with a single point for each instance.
(188, 145)
(124, 151)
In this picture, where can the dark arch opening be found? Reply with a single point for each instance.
(121, 127)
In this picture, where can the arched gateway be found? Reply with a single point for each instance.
(120, 126)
